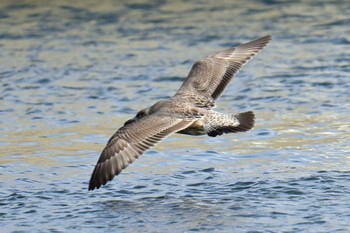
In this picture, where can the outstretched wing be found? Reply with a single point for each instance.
(129, 142)
(209, 77)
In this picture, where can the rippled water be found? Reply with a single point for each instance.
(72, 73)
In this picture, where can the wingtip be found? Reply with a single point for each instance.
(257, 44)
(268, 37)
(91, 187)
(96, 183)
(265, 39)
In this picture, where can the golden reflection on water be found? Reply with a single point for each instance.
(291, 132)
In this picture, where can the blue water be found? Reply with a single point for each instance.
(72, 73)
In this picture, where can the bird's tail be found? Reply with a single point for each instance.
(245, 122)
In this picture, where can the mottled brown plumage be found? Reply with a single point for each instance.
(189, 111)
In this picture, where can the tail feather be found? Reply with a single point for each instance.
(246, 122)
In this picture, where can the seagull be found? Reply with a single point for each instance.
(189, 111)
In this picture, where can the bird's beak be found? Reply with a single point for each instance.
(129, 121)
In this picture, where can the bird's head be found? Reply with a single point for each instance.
(147, 111)
(142, 113)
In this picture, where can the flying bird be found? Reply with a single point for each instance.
(189, 111)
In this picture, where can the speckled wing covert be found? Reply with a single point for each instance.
(209, 77)
(130, 141)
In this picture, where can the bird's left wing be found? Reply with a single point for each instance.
(130, 141)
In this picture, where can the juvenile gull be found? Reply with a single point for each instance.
(189, 111)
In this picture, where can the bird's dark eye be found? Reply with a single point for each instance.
(140, 114)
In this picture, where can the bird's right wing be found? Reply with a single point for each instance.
(210, 76)
(130, 141)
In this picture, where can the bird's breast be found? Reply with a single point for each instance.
(196, 129)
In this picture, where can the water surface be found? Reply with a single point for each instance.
(72, 73)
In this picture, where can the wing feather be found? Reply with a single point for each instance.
(210, 76)
(129, 142)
